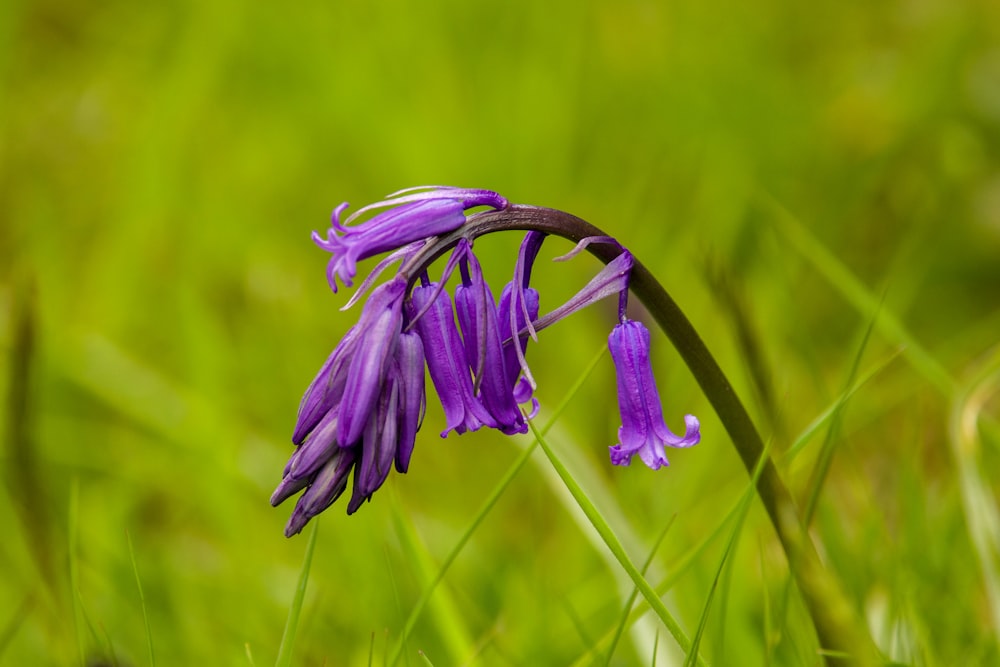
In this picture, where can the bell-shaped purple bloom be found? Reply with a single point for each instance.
(477, 315)
(412, 401)
(378, 449)
(324, 489)
(326, 390)
(446, 360)
(379, 327)
(643, 430)
(417, 216)
(518, 308)
(513, 320)
(361, 413)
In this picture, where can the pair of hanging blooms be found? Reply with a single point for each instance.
(362, 412)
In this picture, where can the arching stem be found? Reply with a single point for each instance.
(841, 634)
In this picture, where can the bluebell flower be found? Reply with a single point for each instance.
(419, 214)
(446, 360)
(362, 412)
(412, 397)
(643, 430)
(477, 315)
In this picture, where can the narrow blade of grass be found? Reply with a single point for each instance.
(450, 623)
(614, 545)
(821, 420)
(620, 629)
(744, 507)
(142, 600)
(292, 624)
(679, 569)
(825, 458)
(766, 609)
(857, 294)
(485, 509)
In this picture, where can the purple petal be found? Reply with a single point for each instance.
(328, 485)
(379, 329)
(643, 430)
(613, 279)
(412, 401)
(446, 361)
(317, 448)
(513, 321)
(387, 231)
(326, 390)
(517, 311)
(378, 447)
(477, 314)
(414, 216)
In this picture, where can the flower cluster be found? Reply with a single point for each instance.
(361, 414)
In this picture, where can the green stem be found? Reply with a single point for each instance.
(295, 611)
(838, 627)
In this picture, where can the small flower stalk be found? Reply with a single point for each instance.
(361, 414)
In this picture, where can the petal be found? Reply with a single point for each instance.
(416, 214)
(412, 401)
(387, 231)
(446, 360)
(326, 390)
(643, 430)
(477, 314)
(378, 330)
(378, 447)
(315, 451)
(328, 485)
(513, 320)
(612, 279)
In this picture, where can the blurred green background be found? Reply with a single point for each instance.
(792, 172)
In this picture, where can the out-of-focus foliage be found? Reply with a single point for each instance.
(781, 167)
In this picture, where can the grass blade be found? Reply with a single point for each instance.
(635, 592)
(680, 567)
(815, 425)
(613, 544)
(450, 623)
(744, 507)
(292, 624)
(485, 509)
(857, 294)
(825, 458)
(142, 600)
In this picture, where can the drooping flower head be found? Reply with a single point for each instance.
(362, 412)
(414, 214)
(643, 430)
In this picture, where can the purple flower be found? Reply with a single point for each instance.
(514, 320)
(446, 360)
(378, 449)
(643, 430)
(360, 415)
(419, 215)
(518, 308)
(351, 414)
(477, 315)
(412, 401)
(324, 488)
(380, 326)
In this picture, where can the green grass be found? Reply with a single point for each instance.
(793, 175)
